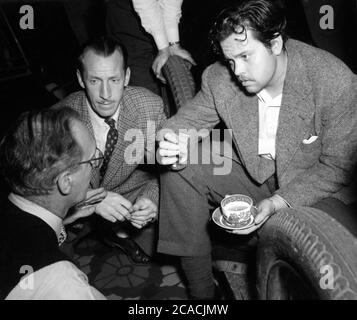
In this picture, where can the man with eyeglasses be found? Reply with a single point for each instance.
(47, 160)
(112, 110)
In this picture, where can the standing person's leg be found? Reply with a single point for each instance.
(124, 25)
(187, 197)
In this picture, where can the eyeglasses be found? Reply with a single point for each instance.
(96, 161)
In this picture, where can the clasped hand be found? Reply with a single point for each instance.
(116, 208)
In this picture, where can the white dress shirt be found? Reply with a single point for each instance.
(160, 18)
(269, 109)
(59, 281)
(101, 128)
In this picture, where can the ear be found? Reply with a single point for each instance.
(277, 45)
(127, 76)
(80, 79)
(64, 182)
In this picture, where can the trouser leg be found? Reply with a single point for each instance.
(187, 197)
(123, 23)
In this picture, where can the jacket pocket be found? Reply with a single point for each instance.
(311, 147)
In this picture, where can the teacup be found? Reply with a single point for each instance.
(236, 208)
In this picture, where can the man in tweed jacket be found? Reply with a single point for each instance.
(292, 109)
(130, 179)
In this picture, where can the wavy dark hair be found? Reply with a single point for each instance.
(265, 18)
(37, 148)
(103, 46)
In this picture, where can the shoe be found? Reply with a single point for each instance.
(130, 248)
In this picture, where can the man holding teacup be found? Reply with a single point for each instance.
(292, 112)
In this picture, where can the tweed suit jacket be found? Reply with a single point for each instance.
(319, 99)
(129, 172)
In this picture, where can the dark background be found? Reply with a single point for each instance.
(60, 27)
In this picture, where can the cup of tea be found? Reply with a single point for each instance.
(236, 208)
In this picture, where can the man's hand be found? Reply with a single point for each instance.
(173, 149)
(86, 207)
(159, 62)
(164, 54)
(143, 212)
(177, 50)
(114, 207)
(266, 208)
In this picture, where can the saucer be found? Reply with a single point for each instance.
(218, 219)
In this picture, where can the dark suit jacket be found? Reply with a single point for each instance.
(319, 99)
(141, 114)
(25, 240)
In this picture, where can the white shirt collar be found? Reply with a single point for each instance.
(99, 121)
(100, 128)
(266, 98)
(30, 207)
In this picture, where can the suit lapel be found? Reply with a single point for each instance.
(295, 116)
(296, 111)
(243, 118)
(127, 119)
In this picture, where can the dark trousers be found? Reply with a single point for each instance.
(187, 200)
(123, 23)
(189, 196)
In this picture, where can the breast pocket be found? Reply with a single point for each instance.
(310, 153)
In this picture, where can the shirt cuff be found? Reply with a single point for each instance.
(279, 202)
(160, 41)
(173, 34)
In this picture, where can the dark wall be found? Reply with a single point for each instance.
(50, 49)
(62, 26)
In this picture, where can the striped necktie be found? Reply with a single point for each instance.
(112, 138)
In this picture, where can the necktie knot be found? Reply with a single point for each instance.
(110, 122)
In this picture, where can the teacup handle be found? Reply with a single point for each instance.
(227, 195)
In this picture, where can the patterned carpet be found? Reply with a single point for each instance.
(113, 274)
